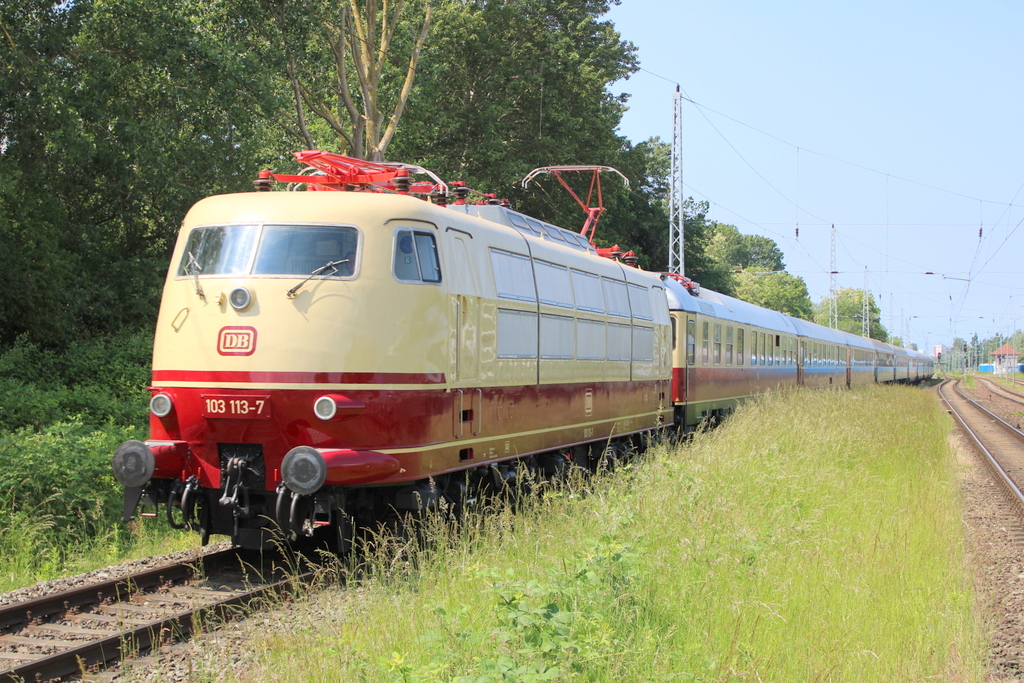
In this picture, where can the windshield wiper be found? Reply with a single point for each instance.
(333, 265)
(193, 268)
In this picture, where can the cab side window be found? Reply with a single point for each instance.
(705, 341)
(416, 257)
(691, 341)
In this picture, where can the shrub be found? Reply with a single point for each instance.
(100, 380)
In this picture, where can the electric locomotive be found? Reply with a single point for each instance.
(324, 360)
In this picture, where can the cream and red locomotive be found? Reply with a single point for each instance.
(325, 360)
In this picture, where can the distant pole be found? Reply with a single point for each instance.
(833, 305)
(676, 218)
(865, 309)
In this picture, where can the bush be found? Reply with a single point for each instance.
(100, 380)
(60, 479)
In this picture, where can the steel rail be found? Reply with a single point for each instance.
(1001, 390)
(134, 639)
(1001, 476)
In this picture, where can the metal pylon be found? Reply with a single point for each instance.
(833, 302)
(865, 310)
(676, 219)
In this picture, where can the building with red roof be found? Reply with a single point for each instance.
(1005, 358)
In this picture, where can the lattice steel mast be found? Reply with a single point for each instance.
(865, 308)
(676, 218)
(833, 303)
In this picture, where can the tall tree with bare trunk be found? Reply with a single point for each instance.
(349, 65)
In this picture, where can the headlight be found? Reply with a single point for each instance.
(240, 298)
(161, 405)
(325, 407)
(337, 407)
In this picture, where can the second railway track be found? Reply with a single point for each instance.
(1000, 442)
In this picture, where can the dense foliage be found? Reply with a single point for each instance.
(850, 313)
(116, 115)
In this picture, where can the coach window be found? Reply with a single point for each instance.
(728, 345)
(718, 343)
(705, 341)
(416, 257)
(739, 346)
(691, 342)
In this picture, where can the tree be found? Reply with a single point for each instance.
(850, 307)
(778, 291)
(509, 86)
(349, 65)
(102, 154)
(737, 251)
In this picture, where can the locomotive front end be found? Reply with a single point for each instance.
(269, 363)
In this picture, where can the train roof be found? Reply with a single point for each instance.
(526, 225)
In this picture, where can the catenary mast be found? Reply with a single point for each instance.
(676, 219)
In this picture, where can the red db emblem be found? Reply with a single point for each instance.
(236, 341)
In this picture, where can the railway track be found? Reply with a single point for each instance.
(1000, 442)
(1002, 391)
(82, 630)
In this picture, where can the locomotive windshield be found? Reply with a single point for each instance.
(268, 250)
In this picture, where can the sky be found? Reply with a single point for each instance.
(901, 123)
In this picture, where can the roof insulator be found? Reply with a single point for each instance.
(263, 182)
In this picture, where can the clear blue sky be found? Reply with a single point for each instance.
(902, 123)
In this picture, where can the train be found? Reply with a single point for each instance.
(346, 346)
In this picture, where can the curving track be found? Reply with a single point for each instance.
(1000, 442)
(1002, 391)
(86, 628)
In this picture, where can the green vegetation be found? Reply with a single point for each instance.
(850, 311)
(59, 504)
(816, 536)
(97, 380)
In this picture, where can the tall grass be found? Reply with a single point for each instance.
(60, 507)
(63, 411)
(815, 537)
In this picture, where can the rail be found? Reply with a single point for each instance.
(1011, 488)
(64, 621)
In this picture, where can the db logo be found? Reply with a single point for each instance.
(236, 341)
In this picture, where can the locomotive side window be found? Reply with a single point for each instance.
(416, 257)
(553, 284)
(718, 343)
(615, 297)
(640, 302)
(517, 334)
(619, 340)
(706, 341)
(556, 336)
(590, 340)
(691, 342)
(513, 276)
(643, 343)
(587, 289)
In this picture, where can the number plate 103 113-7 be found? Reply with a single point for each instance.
(236, 407)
